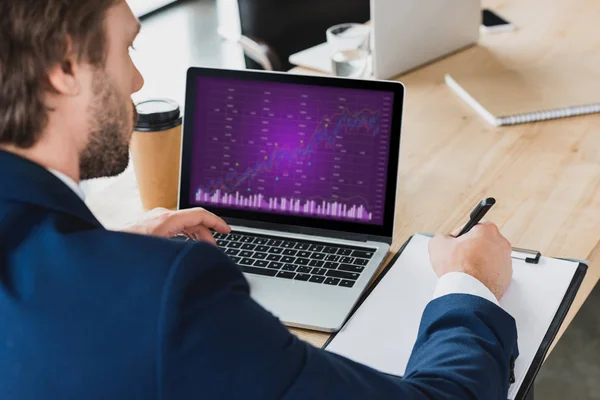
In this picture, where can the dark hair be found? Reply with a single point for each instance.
(35, 36)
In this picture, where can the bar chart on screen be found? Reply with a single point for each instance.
(291, 149)
(290, 205)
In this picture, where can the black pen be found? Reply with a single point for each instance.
(477, 214)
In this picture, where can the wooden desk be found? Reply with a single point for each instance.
(545, 176)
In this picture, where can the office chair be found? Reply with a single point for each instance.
(272, 30)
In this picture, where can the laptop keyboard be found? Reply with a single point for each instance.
(301, 260)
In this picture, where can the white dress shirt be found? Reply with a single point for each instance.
(461, 283)
(69, 182)
(452, 283)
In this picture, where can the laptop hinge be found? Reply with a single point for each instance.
(357, 237)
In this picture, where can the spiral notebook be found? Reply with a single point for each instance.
(510, 97)
(383, 328)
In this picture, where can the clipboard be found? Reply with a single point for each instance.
(530, 257)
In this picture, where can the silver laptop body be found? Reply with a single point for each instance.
(410, 33)
(246, 136)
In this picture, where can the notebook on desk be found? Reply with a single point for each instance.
(509, 97)
(383, 328)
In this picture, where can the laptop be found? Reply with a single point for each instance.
(304, 170)
(408, 34)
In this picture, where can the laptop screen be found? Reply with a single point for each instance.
(291, 149)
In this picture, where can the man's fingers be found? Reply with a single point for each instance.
(200, 235)
(197, 217)
(194, 223)
(204, 235)
(457, 230)
(207, 236)
(439, 242)
(438, 246)
(486, 226)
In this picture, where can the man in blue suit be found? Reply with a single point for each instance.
(87, 313)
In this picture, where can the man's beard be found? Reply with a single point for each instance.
(107, 152)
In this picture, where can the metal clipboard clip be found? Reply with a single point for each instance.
(529, 256)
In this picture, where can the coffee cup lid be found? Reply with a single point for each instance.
(157, 115)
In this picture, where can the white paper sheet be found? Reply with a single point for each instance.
(382, 332)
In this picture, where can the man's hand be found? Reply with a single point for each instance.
(482, 253)
(194, 223)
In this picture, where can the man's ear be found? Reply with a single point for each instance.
(63, 76)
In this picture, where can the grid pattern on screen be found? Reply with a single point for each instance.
(291, 149)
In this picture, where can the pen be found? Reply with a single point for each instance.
(477, 214)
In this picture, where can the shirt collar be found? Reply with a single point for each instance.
(69, 182)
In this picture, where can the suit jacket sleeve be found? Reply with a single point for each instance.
(215, 342)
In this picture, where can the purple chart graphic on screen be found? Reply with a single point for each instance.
(292, 149)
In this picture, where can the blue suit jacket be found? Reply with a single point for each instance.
(87, 313)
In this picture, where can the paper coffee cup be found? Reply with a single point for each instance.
(156, 152)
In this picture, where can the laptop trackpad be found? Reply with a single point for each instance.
(303, 304)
